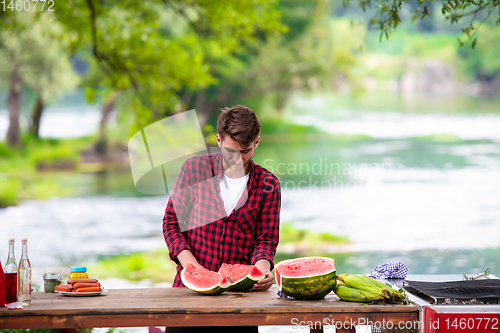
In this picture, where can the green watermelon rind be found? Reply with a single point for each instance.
(307, 287)
(245, 283)
(215, 290)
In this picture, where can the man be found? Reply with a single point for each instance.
(224, 208)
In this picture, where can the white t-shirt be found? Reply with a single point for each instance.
(231, 190)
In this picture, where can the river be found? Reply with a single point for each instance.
(421, 186)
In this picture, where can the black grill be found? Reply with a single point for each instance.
(486, 290)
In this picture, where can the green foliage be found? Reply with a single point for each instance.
(440, 137)
(38, 46)
(389, 60)
(389, 14)
(311, 55)
(277, 125)
(9, 190)
(53, 152)
(148, 51)
(20, 178)
(483, 60)
(5, 151)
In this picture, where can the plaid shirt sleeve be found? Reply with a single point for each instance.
(267, 224)
(176, 212)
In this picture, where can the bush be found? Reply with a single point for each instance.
(9, 191)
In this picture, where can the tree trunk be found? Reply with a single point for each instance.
(186, 99)
(280, 101)
(37, 115)
(199, 106)
(205, 109)
(13, 102)
(106, 109)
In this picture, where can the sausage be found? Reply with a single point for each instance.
(71, 281)
(63, 287)
(84, 285)
(88, 290)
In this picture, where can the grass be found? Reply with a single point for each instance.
(20, 178)
(276, 125)
(444, 137)
(290, 234)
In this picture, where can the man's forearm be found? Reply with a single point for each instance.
(264, 265)
(185, 257)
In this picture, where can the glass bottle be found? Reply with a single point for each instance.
(10, 270)
(2, 286)
(24, 276)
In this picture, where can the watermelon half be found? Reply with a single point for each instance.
(243, 277)
(203, 280)
(306, 278)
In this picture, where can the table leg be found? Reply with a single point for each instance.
(316, 330)
(345, 330)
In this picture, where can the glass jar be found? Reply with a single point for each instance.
(51, 280)
(78, 273)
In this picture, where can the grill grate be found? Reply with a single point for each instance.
(456, 289)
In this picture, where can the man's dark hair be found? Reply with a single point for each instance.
(240, 123)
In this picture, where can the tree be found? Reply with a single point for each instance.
(390, 13)
(313, 50)
(483, 62)
(33, 51)
(149, 50)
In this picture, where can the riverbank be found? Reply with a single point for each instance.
(48, 167)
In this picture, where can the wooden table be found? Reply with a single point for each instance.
(150, 307)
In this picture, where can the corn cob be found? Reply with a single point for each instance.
(358, 282)
(396, 296)
(346, 293)
(378, 283)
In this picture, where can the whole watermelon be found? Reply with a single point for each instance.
(306, 278)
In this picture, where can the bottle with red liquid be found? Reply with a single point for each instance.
(2, 286)
(11, 275)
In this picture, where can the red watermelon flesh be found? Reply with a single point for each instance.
(243, 277)
(307, 266)
(203, 280)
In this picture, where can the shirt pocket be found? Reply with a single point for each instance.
(247, 219)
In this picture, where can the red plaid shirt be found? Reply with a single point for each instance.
(195, 218)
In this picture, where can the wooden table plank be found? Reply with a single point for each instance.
(183, 307)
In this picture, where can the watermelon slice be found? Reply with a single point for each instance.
(306, 278)
(243, 276)
(203, 280)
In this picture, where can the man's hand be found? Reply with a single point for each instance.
(267, 282)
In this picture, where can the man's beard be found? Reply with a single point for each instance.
(229, 165)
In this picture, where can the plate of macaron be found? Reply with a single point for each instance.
(80, 287)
